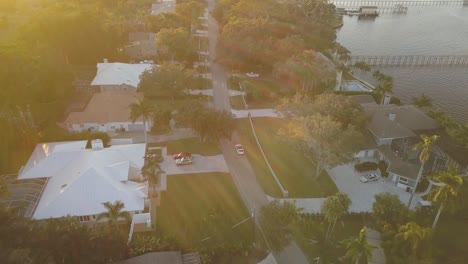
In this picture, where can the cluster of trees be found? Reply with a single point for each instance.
(278, 36)
(209, 124)
(62, 240)
(458, 131)
(36, 71)
(327, 129)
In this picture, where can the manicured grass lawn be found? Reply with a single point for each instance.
(190, 198)
(191, 145)
(295, 172)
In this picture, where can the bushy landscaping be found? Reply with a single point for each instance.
(294, 170)
(366, 166)
(260, 93)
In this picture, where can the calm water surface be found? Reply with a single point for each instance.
(422, 31)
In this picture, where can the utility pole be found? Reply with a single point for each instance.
(253, 227)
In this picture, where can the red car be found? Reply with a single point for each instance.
(182, 155)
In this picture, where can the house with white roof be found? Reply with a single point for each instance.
(119, 77)
(79, 180)
(107, 112)
(163, 6)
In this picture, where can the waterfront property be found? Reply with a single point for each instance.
(77, 181)
(394, 130)
(107, 112)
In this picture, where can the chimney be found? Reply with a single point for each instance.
(391, 116)
(96, 144)
(387, 99)
(106, 61)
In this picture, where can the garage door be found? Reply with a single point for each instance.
(136, 127)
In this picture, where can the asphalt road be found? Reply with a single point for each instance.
(239, 166)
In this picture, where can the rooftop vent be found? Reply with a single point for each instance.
(392, 116)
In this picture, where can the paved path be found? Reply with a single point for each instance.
(241, 170)
(308, 205)
(201, 164)
(378, 255)
(174, 134)
(209, 92)
(267, 112)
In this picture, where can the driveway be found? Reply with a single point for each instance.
(362, 194)
(201, 164)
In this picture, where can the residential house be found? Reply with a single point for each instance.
(163, 6)
(107, 112)
(119, 77)
(394, 130)
(79, 180)
(142, 45)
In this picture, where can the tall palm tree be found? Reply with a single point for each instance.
(152, 168)
(414, 234)
(114, 213)
(143, 109)
(448, 192)
(358, 248)
(424, 147)
(333, 208)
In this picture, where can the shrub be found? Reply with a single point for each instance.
(366, 166)
(383, 168)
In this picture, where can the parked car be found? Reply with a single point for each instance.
(184, 161)
(369, 177)
(182, 155)
(253, 75)
(239, 149)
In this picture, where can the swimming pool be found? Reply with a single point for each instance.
(356, 87)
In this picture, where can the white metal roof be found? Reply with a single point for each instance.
(80, 180)
(120, 73)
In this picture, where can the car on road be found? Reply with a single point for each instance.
(183, 161)
(239, 149)
(371, 177)
(252, 75)
(182, 155)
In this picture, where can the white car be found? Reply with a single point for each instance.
(369, 178)
(239, 149)
(253, 75)
(183, 161)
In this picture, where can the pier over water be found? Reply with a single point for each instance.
(412, 60)
(341, 3)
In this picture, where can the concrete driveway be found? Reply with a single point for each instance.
(201, 164)
(362, 194)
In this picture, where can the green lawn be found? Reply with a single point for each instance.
(295, 172)
(191, 145)
(189, 198)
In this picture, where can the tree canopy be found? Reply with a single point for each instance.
(168, 80)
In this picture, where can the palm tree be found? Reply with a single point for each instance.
(422, 101)
(425, 151)
(385, 84)
(114, 213)
(448, 192)
(143, 109)
(333, 208)
(152, 168)
(414, 234)
(358, 248)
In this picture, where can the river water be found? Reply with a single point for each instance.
(421, 31)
